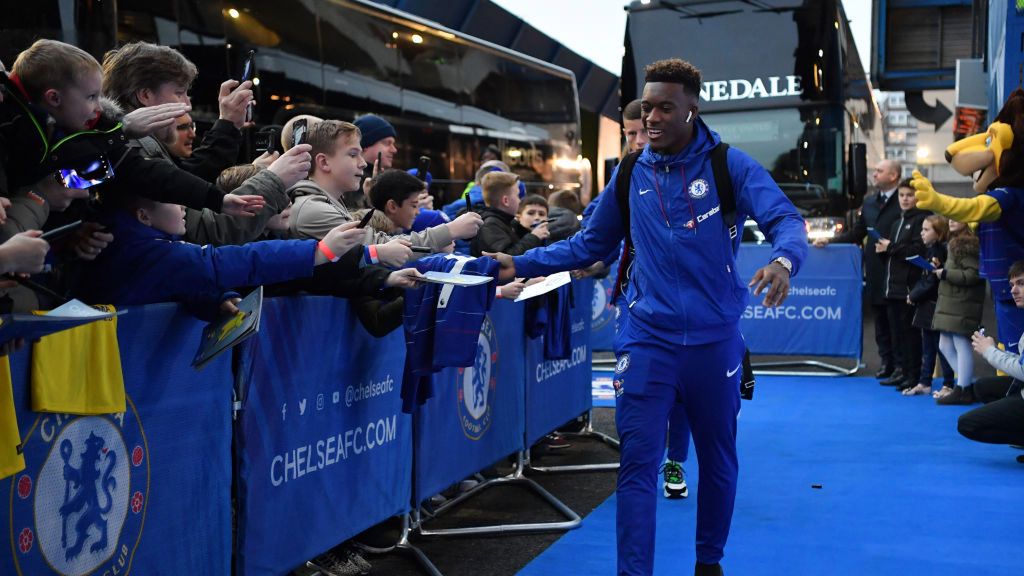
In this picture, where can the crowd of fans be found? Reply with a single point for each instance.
(159, 213)
(165, 215)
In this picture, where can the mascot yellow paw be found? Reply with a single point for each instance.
(927, 197)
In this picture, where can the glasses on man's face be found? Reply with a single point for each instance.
(187, 127)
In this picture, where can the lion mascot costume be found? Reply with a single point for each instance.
(996, 160)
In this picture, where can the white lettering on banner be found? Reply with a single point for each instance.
(371, 389)
(578, 326)
(550, 368)
(298, 462)
(741, 89)
(809, 291)
(829, 313)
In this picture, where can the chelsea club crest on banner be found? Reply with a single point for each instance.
(79, 506)
(602, 310)
(476, 384)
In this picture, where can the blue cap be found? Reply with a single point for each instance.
(416, 172)
(374, 129)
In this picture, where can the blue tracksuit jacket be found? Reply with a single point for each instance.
(684, 286)
(145, 266)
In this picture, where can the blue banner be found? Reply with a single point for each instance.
(143, 492)
(602, 329)
(821, 316)
(322, 445)
(476, 415)
(559, 390)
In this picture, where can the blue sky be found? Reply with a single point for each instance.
(595, 28)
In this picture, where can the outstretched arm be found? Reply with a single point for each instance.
(981, 208)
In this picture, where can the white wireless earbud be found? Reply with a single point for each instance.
(689, 116)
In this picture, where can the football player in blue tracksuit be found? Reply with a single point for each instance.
(681, 339)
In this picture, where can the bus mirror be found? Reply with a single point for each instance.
(857, 172)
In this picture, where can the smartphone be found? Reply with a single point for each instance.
(379, 167)
(298, 132)
(266, 140)
(421, 249)
(366, 218)
(51, 235)
(248, 71)
(423, 169)
(248, 67)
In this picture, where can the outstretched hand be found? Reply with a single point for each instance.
(404, 278)
(776, 279)
(143, 122)
(508, 267)
(246, 205)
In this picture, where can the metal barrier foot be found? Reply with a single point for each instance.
(829, 369)
(587, 432)
(404, 546)
(573, 519)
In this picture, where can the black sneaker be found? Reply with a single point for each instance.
(894, 379)
(884, 372)
(708, 570)
(675, 480)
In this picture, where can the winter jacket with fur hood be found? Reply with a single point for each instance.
(961, 289)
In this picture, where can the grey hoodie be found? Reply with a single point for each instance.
(314, 214)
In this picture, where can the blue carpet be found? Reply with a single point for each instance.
(902, 493)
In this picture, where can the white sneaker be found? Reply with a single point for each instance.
(675, 480)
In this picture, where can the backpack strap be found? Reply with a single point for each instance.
(623, 180)
(723, 184)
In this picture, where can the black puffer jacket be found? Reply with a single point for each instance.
(498, 235)
(905, 238)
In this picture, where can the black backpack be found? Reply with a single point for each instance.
(727, 201)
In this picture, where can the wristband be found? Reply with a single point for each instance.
(497, 290)
(326, 251)
(371, 254)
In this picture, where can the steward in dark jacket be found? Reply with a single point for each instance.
(880, 216)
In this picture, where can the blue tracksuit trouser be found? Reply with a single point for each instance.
(678, 426)
(651, 377)
(678, 434)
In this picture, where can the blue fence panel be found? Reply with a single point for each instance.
(821, 316)
(602, 328)
(323, 448)
(155, 481)
(559, 390)
(476, 415)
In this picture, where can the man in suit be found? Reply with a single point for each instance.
(879, 211)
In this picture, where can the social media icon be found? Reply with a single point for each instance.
(302, 407)
(319, 401)
(284, 411)
(336, 397)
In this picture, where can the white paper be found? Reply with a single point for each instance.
(77, 309)
(550, 283)
(456, 279)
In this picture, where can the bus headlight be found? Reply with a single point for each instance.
(823, 227)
